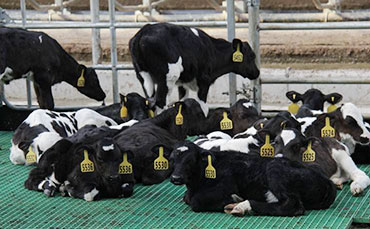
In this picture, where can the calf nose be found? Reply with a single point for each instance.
(113, 177)
(177, 180)
(364, 140)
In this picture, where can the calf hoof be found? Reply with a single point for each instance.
(339, 186)
(49, 189)
(127, 190)
(356, 189)
(238, 209)
(228, 208)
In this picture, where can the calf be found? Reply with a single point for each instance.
(312, 101)
(167, 55)
(25, 53)
(86, 171)
(43, 128)
(330, 156)
(256, 180)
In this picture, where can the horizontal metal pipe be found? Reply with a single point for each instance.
(263, 26)
(302, 81)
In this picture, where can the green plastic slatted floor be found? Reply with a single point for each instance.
(157, 206)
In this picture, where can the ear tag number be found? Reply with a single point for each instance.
(179, 120)
(125, 167)
(267, 150)
(210, 170)
(309, 154)
(30, 156)
(81, 79)
(327, 130)
(226, 123)
(87, 166)
(237, 55)
(124, 112)
(151, 113)
(161, 163)
(332, 107)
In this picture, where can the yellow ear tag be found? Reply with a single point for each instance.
(30, 156)
(327, 130)
(237, 55)
(125, 167)
(294, 107)
(332, 107)
(81, 79)
(226, 123)
(87, 166)
(179, 120)
(261, 125)
(210, 170)
(267, 150)
(161, 163)
(124, 112)
(151, 113)
(309, 154)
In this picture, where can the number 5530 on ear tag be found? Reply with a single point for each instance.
(125, 167)
(210, 170)
(161, 163)
(226, 123)
(87, 166)
(267, 150)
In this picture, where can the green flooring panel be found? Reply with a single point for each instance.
(157, 206)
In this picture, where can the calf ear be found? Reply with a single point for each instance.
(123, 99)
(333, 98)
(204, 156)
(151, 102)
(294, 96)
(166, 150)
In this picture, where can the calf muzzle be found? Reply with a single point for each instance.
(177, 180)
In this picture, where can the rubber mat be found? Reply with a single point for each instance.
(156, 206)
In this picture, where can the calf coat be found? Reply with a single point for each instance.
(43, 128)
(331, 156)
(25, 53)
(61, 169)
(258, 181)
(167, 55)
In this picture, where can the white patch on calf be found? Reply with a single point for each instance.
(148, 83)
(174, 72)
(89, 117)
(211, 144)
(242, 207)
(270, 197)
(43, 142)
(90, 195)
(248, 105)
(348, 109)
(348, 140)
(250, 131)
(279, 155)
(53, 179)
(16, 155)
(120, 126)
(41, 185)
(195, 31)
(7, 75)
(239, 144)
(307, 122)
(107, 148)
(204, 106)
(40, 38)
(317, 112)
(218, 135)
(287, 136)
(182, 148)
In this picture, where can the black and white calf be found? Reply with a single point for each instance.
(330, 156)
(87, 171)
(257, 181)
(43, 128)
(312, 101)
(169, 55)
(25, 53)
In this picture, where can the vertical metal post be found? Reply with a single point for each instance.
(113, 50)
(230, 37)
(95, 38)
(59, 3)
(254, 41)
(148, 3)
(28, 81)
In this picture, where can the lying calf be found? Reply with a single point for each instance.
(90, 172)
(269, 186)
(329, 155)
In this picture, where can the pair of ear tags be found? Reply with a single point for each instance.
(124, 110)
(150, 111)
(210, 171)
(327, 130)
(87, 166)
(31, 156)
(179, 119)
(125, 167)
(161, 163)
(267, 150)
(81, 79)
(309, 155)
(294, 107)
(237, 55)
(332, 107)
(226, 123)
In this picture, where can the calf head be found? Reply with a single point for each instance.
(214, 118)
(188, 159)
(91, 86)
(291, 143)
(243, 114)
(136, 106)
(314, 99)
(244, 65)
(282, 120)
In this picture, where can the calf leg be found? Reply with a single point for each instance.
(183, 93)
(88, 192)
(202, 98)
(161, 95)
(44, 96)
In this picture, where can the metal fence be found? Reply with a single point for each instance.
(253, 25)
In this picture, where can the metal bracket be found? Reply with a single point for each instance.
(4, 17)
